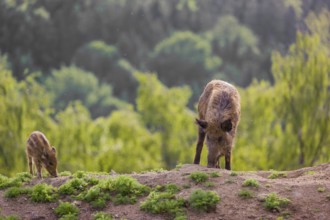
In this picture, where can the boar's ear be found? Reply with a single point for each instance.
(53, 149)
(201, 123)
(226, 125)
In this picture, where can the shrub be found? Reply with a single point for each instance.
(66, 210)
(274, 202)
(246, 194)
(102, 216)
(163, 202)
(43, 193)
(203, 200)
(15, 191)
(198, 177)
(251, 183)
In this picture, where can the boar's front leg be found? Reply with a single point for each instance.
(199, 147)
(227, 160)
(30, 165)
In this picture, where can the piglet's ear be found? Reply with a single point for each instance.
(226, 125)
(53, 149)
(201, 123)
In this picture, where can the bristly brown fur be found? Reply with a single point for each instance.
(219, 114)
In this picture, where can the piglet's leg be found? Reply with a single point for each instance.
(30, 165)
(39, 166)
(199, 147)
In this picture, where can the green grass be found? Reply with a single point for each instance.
(276, 174)
(95, 196)
(251, 183)
(43, 193)
(198, 177)
(214, 174)
(163, 203)
(201, 200)
(9, 217)
(233, 174)
(102, 216)
(274, 202)
(15, 191)
(209, 184)
(65, 173)
(66, 210)
(245, 194)
(18, 180)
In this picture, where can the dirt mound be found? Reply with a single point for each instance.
(308, 190)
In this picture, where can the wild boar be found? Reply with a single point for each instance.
(41, 153)
(219, 115)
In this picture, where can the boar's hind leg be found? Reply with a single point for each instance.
(227, 160)
(199, 147)
(30, 165)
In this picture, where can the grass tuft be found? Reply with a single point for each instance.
(66, 210)
(245, 194)
(203, 200)
(214, 174)
(251, 183)
(275, 175)
(43, 193)
(198, 177)
(102, 216)
(274, 202)
(72, 186)
(15, 191)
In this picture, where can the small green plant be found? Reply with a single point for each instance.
(251, 183)
(9, 217)
(102, 216)
(80, 174)
(126, 189)
(233, 174)
(15, 191)
(276, 174)
(72, 186)
(321, 189)
(163, 202)
(214, 174)
(65, 173)
(43, 193)
(203, 200)
(310, 172)
(274, 202)
(95, 196)
(20, 178)
(66, 210)
(209, 184)
(172, 188)
(328, 197)
(198, 177)
(245, 194)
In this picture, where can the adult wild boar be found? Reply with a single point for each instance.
(41, 153)
(219, 114)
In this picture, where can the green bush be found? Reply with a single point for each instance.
(163, 202)
(72, 186)
(198, 177)
(203, 200)
(43, 193)
(66, 210)
(15, 191)
(274, 202)
(251, 183)
(102, 216)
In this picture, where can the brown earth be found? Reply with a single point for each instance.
(308, 190)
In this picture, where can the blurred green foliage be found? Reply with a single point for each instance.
(54, 80)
